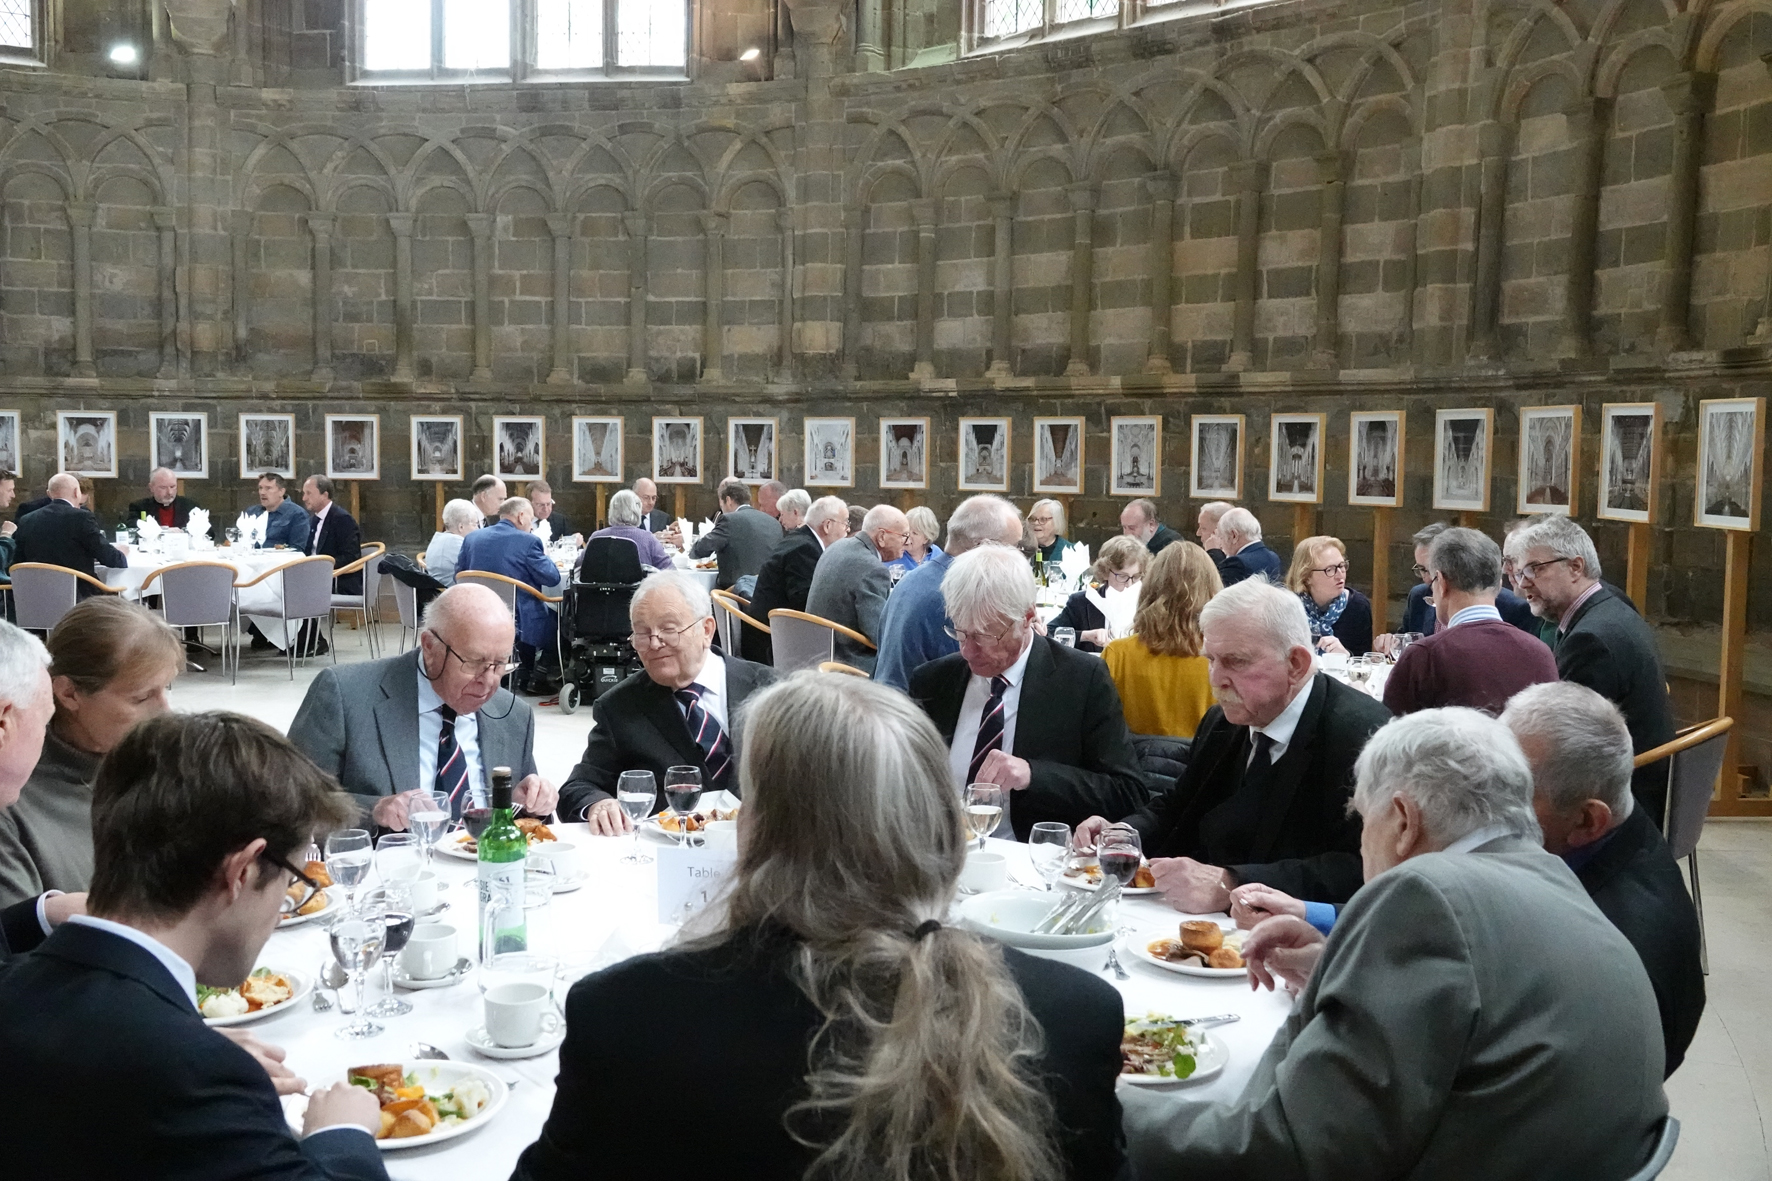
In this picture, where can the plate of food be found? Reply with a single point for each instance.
(423, 1102)
(1086, 875)
(1203, 949)
(316, 906)
(667, 825)
(266, 991)
(1159, 1051)
(462, 845)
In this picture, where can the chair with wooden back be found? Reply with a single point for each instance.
(199, 594)
(730, 621)
(42, 593)
(837, 666)
(307, 595)
(368, 564)
(802, 640)
(1694, 759)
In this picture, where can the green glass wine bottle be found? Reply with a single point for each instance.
(503, 849)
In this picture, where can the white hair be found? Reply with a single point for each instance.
(514, 507)
(624, 508)
(689, 588)
(1275, 612)
(825, 508)
(796, 501)
(882, 516)
(922, 518)
(1584, 745)
(1561, 537)
(1463, 769)
(980, 519)
(21, 655)
(461, 512)
(1060, 522)
(1240, 522)
(1214, 511)
(987, 585)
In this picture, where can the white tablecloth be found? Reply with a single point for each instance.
(612, 917)
(248, 563)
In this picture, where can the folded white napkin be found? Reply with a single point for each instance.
(1074, 564)
(1119, 606)
(252, 528)
(198, 525)
(147, 529)
(544, 530)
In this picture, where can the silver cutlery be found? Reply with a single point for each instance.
(1209, 1022)
(330, 976)
(427, 1050)
(1113, 961)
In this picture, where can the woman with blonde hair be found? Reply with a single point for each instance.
(919, 547)
(1159, 670)
(824, 1022)
(1119, 565)
(1340, 617)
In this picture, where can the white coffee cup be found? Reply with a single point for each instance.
(518, 1014)
(430, 953)
(423, 888)
(722, 835)
(560, 858)
(985, 871)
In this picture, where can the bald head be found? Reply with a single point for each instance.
(464, 645)
(62, 486)
(888, 529)
(466, 608)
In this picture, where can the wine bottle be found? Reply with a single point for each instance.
(502, 851)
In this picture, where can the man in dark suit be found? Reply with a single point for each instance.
(510, 549)
(681, 709)
(541, 498)
(851, 585)
(1246, 555)
(744, 536)
(1418, 610)
(63, 534)
(334, 532)
(652, 518)
(162, 504)
(1038, 719)
(785, 578)
(197, 821)
(1139, 519)
(1264, 798)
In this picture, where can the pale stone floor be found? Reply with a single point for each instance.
(1722, 1094)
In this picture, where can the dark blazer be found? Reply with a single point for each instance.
(1247, 563)
(558, 525)
(744, 539)
(1082, 615)
(638, 726)
(505, 549)
(181, 510)
(19, 929)
(656, 521)
(1162, 539)
(62, 535)
(784, 580)
(1069, 728)
(1306, 842)
(1634, 881)
(1418, 613)
(1610, 649)
(755, 1058)
(88, 999)
(339, 537)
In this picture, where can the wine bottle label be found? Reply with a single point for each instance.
(503, 926)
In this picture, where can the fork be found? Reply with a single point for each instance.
(1113, 961)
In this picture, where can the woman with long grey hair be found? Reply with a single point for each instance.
(825, 1023)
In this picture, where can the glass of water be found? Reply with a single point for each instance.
(356, 945)
(427, 815)
(1066, 636)
(636, 792)
(1049, 844)
(347, 860)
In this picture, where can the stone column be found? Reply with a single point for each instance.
(1003, 294)
(923, 209)
(1689, 96)
(855, 219)
(166, 222)
(401, 226)
(713, 345)
(1082, 275)
(1586, 119)
(1495, 140)
(1406, 336)
(320, 225)
(242, 243)
(560, 226)
(1161, 186)
(636, 227)
(784, 368)
(80, 215)
(1331, 167)
(870, 53)
(1246, 177)
(480, 226)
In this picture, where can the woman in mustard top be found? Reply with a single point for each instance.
(1159, 670)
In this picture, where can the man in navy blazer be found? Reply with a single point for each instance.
(509, 548)
(1246, 556)
(334, 532)
(197, 822)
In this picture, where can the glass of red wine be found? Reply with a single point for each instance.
(475, 820)
(391, 906)
(1119, 853)
(682, 792)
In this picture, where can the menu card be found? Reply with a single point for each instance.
(689, 877)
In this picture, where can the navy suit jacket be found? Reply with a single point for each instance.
(1248, 562)
(339, 538)
(62, 535)
(1418, 613)
(505, 549)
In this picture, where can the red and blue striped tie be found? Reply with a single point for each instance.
(452, 766)
(709, 735)
(990, 728)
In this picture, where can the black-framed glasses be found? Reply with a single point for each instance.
(295, 875)
(1120, 579)
(1530, 569)
(1331, 571)
(1419, 571)
(666, 639)
(479, 668)
(962, 635)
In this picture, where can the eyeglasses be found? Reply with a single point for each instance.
(667, 639)
(1331, 571)
(1530, 570)
(1121, 578)
(500, 668)
(1419, 571)
(965, 636)
(295, 876)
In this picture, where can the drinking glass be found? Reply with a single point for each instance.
(984, 810)
(1403, 641)
(683, 791)
(399, 859)
(1359, 672)
(636, 792)
(1066, 636)
(1049, 844)
(1119, 853)
(347, 860)
(427, 816)
(356, 945)
(391, 907)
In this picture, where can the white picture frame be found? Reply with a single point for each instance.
(519, 447)
(829, 446)
(1215, 457)
(12, 452)
(437, 447)
(177, 441)
(752, 450)
(1375, 458)
(1550, 460)
(1464, 452)
(1731, 440)
(86, 443)
(984, 454)
(904, 453)
(676, 450)
(1295, 458)
(267, 445)
(1135, 455)
(353, 446)
(597, 449)
(1630, 462)
(1058, 456)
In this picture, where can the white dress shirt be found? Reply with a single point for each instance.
(430, 731)
(1280, 730)
(1479, 838)
(978, 691)
(174, 962)
(319, 523)
(712, 679)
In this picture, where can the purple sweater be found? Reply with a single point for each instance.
(1479, 664)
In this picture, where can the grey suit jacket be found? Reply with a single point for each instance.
(849, 586)
(1473, 1016)
(359, 722)
(743, 538)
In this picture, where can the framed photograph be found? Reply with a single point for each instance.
(11, 455)
(180, 444)
(984, 455)
(1375, 458)
(436, 447)
(1058, 455)
(1550, 450)
(267, 444)
(353, 446)
(1136, 455)
(830, 453)
(596, 450)
(676, 450)
(1295, 464)
(1215, 467)
(904, 453)
(1731, 435)
(517, 451)
(1462, 442)
(750, 450)
(1630, 461)
(88, 442)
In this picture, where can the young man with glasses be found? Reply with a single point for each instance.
(433, 719)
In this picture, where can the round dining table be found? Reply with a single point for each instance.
(611, 916)
(249, 563)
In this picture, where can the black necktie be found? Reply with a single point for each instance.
(452, 766)
(990, 728)
(709, 735)
(314, 536)
(1263, 756)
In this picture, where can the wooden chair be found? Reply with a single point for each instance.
(368, 564)
(199, 594)
(730, 620)
(42, 593)
(508, 588)
(802, 641)
(307, 595)
(837, 666)
(1694, 758)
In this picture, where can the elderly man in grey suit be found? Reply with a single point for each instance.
(744, 536)
(1473, 1015)
(433, 719)
(851, 582)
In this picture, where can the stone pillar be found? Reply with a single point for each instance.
(870, 52)
(713, 345)
(480, 226)
(166, 222)
(784, 368)
(1331, 167)
(1161, 186)
(1689, 96)
(80, 215)
(1494, 140)
(242, 243)
(1406, 336)
(636, 227)
(1082, 275)
(401, 226)
(923, 209)
(320, 225)
(560, 226)
(1586, 119)
(855, 219)
(1003, 294)
(1246, 178)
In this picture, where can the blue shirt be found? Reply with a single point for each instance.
(911, 630)
(907, 563)
(288, 525)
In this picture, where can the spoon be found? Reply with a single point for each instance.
(322, 1002)
(427, 1050)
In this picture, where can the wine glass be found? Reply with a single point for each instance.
(356, 945)
(391, 907)
(683, 791)
(399, 858)
(984, 810)
(1359, 672)
(636, 792)
(1065, 635)
(1119, 853)
(427, 816)
(347, 860)
(1049, 845)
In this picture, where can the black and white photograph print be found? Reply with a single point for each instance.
(353, 446)
(830, 452)
(1215, 467)
(180, 443)
(984, 455)
(11, 459)
(1462, 443)
(904, 453)
(1136, 455)
(596, 450)
(1731, 434)
(1630, 461)
(88, 442)
(267, 444)
(436, 447)
(1550, 459)
(676, 450)
(1375, 459)
(1295, 462)
(750, 449)
(1058, 455)
(517, 448)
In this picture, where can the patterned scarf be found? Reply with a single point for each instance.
(1322, 619)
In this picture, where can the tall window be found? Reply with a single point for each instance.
(1013, 18)
(501, 40)
(18, 33)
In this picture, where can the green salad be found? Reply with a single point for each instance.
(1157, 1045)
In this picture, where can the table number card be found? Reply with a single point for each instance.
(688, 878)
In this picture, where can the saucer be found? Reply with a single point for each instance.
(548, 1042)
(569, 884)
(456, 975)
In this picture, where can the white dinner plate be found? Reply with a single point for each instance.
(550, 1040)
(1125, 892)
(301, 984)
(1210, 1057)
(296, 920)
(451, 846)
(1138, 945)
(437, 1077)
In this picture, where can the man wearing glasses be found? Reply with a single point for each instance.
(681, 709)
(851, 583)
(433, 719)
